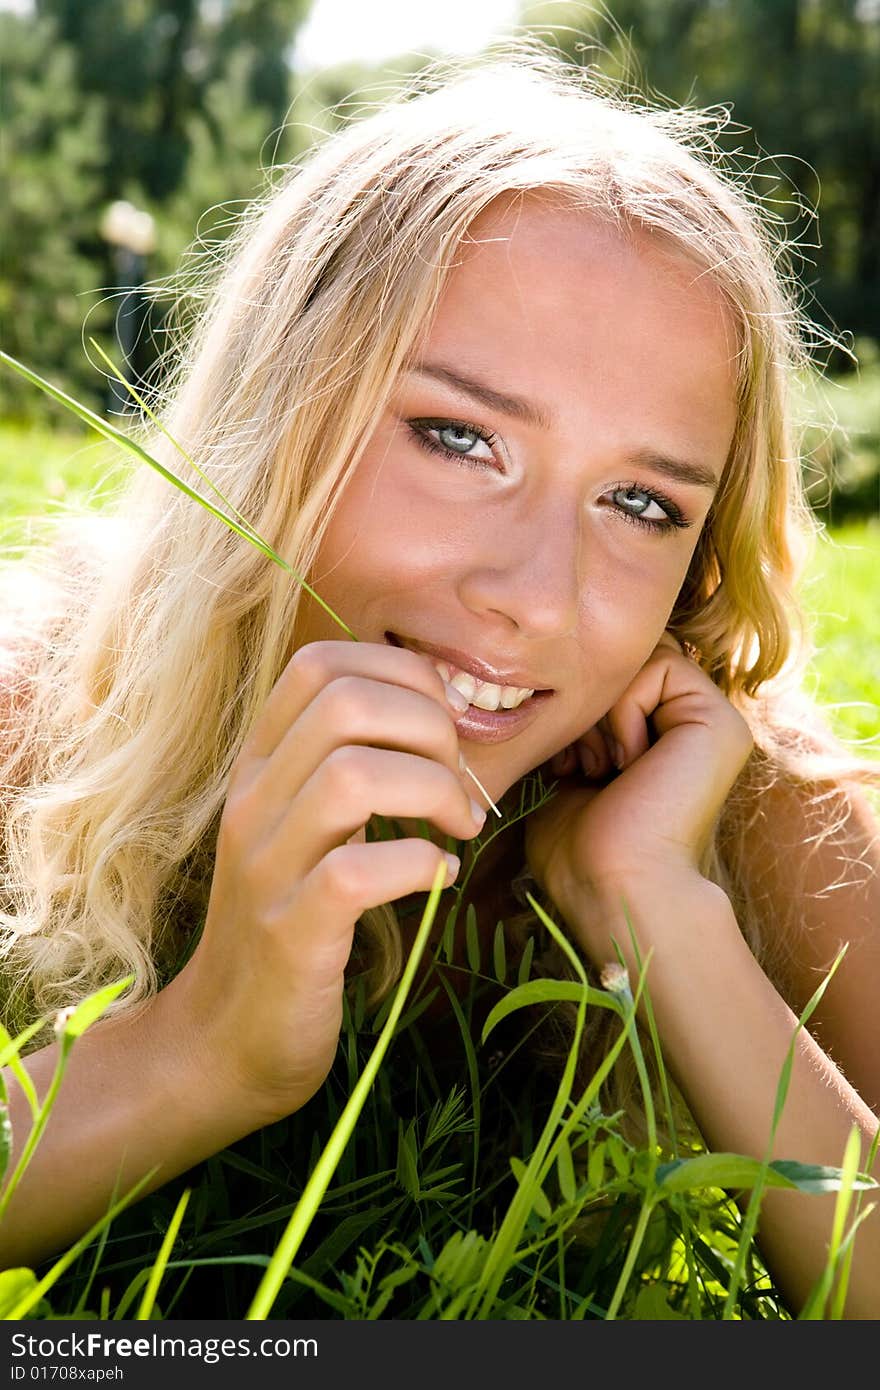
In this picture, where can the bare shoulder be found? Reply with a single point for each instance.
(814, 863)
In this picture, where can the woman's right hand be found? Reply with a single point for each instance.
(350, 730)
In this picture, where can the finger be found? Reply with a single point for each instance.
(352, 710)
(318, 915)
(563, 763)
(669, 690)
(352, 785)
(316, 664)
(595, 759)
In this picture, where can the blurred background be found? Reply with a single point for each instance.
(133, 129)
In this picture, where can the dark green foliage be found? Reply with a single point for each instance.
(48, 217)
(418, 1197)
(804, 77)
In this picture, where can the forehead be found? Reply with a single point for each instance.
(570, 308)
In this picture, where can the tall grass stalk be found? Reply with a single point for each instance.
(319, 1180)
(554, 1134)
(103, 427)
(70, 1025)
(750, 1224)
(35, 1295)
(146, 1309)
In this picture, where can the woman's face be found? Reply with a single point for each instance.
(531, 498)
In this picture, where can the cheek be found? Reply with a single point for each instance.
(622, 623)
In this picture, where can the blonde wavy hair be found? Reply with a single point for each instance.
(159, 634)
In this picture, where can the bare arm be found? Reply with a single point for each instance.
(725, 1032)
(135, 1094)
(725, 1028)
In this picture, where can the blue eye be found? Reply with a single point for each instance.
(644, 498)
(455, 440)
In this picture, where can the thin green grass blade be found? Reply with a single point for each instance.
(82, 1301)
(116, 436)
(848, 1246)
(499, 954)
(472, 939)
(844, 1263)
(5, 1129)
(542, 991)
(474, 1078)
(525, 964)
(321, 1175)
(10, 1049)
(120, 377)
(750, 1222)
(70, 1025)
(144, 1312)
(817, 1302)
(34, 1295)
(502, 1251)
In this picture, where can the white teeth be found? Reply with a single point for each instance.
(463, 681)
(483, 694)
(487, 697)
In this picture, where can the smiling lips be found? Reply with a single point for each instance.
(483, 687)
(483, 694)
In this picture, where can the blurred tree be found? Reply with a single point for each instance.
(153, 61)
(173, 105)
(804, 75)
(52, 161)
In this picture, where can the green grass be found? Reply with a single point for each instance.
(43, 470)
(840, 592)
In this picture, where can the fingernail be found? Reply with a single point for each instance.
(462, 763)
(478, 813)
(619, 755)
(455, 697)
(454, 864)
(591, 763)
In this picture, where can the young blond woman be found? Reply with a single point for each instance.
(503, 369)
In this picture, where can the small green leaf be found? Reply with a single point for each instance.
(460, 1260)
(721, 1170)
(472, 939)
(652, 1306)
(499, 954)
(91, 1009)
(14, 1285)
(531, 1189)
(813, 1177)
(525, 964)
(565, 1170)
(596, 1167)
(619, 1156)
(5, 1130)
(547, 992)
(407, 1165)
(447, 941)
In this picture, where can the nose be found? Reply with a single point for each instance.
(527, 569)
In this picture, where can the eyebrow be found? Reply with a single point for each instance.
(530, 413)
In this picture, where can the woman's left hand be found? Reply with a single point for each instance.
(655, 818)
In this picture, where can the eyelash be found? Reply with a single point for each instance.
(421, 432)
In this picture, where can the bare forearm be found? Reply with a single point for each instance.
(133, 1097)
(725, 1033)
